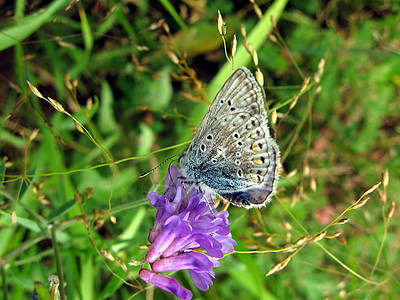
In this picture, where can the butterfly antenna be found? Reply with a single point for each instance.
(151, 171)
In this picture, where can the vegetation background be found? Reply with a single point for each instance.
(138, 75)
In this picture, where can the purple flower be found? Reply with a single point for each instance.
(185, 223)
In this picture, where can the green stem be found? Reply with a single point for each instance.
(299, 127)
(58, 261)
(380, 249)
(343, 265)
(292, 216)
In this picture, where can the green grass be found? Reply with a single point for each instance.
(73, 190)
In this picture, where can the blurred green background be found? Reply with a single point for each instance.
(139, 75)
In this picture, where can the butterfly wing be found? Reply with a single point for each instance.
(232, 152)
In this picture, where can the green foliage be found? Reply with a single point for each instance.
(138, 87)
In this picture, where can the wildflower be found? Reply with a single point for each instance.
(184, 223)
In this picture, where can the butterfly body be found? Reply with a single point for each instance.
(232, 152)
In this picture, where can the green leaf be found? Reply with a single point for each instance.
(112, 286)
(16, 33)
(146, 137)
(60, 211)
(87, 33)
(155, 91)
(27, 223)
(107, 122)
(174, 14)
(88, 272)
(40, 291)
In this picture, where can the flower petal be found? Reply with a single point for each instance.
(153, 198)
(173, 228)
(170, 177)
(173, 204)
(226, 241)
(196, 261)
(211, 246)
(166, 283)
(201, 280)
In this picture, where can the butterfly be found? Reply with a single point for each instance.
(232, 153)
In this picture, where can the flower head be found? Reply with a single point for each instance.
(184, 223)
